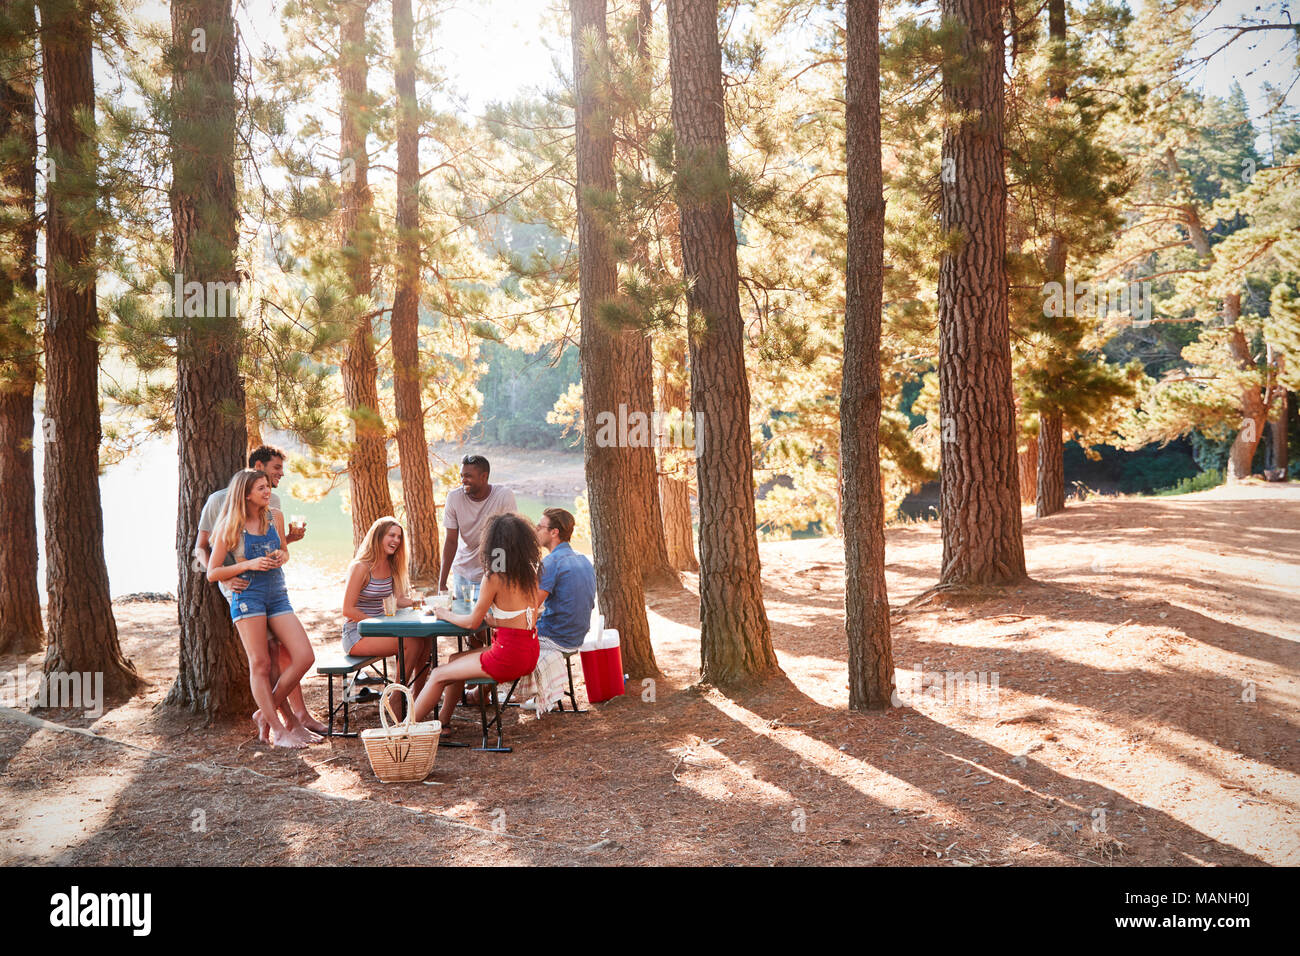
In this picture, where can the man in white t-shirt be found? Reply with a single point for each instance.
(469, 508)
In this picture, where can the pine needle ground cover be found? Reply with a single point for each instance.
(1144, 713)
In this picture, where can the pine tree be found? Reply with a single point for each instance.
(20, 604)
(866, 601)
(210, 424)
(979, 499)
(368, 458)
(417, 484)
(82, 631)
(606, 356)
(735, 638)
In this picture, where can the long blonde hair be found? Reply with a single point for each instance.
(371, 549)
(234, 512)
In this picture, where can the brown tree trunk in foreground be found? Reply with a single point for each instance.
(368, 456)
(1051, 465)
(417, 483)
(1027, 469)
(866, 601)
(979, 490)
(735, 638)
(211, 407)
(611, 480)
(23, 632)
(82, 631)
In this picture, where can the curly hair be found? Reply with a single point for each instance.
(509, 549)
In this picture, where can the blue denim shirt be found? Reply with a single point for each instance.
(569, 581)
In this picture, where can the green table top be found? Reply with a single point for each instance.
(409, 622)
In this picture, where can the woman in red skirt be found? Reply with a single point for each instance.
(509, 600)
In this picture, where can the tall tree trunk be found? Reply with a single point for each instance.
(1254, 413)
(866, 601)
(979, 493)
(211, 407)
(368, 455)
(652, 548)
(82, 631)
(735, 638)
(417, 483)
(1051, 465)
(20, 601)
(1280, 456)
(1027, 469)
(1050, 497)
(674, 485)
(611, 478)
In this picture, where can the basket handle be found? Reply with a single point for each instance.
(386, 707)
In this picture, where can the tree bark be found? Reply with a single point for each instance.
(1027, 469)
(1050, 497)
(979, 493)
(675, 488)
(82, 631)
(1254, 413)
(866, 601)
(368, 455)
(735, 638)
(23, 632)
(652, 548)
(1051, 465)
(1281, 459)
(611, 478)
(417, 482)
(211, 407)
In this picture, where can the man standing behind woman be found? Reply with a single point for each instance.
(250, 529)
(469, 509)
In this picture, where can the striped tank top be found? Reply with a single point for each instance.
(371, 600)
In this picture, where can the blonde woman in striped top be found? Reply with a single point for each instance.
(378, 570)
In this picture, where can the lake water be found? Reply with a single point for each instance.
(139, 501)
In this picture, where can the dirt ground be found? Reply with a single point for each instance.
(1145, 712)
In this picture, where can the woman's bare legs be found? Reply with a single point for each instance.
(417, 653)
(252, 632)
(447, 682)
(297, 704)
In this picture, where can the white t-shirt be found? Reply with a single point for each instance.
(212, 509)
(468, 518)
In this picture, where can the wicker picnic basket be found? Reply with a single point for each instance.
(402, 752)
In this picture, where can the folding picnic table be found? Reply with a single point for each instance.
(411, 623)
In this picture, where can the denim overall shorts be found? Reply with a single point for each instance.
(267, 595)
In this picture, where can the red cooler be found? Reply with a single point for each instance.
(603, 671)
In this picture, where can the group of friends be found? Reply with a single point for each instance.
(492, 558)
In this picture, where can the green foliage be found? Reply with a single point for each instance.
(1202, 482)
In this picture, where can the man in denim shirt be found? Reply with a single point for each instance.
(568, 583)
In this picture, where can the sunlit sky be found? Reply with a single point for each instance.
(492, 49)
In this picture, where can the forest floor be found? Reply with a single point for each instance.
(1146, 712)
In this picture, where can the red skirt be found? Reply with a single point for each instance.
(512, 655)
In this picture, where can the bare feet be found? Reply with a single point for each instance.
(263, 728)
(294, 738)
(293, 723)
(312, 724)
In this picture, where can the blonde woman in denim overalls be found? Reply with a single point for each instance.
(254, 531)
